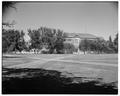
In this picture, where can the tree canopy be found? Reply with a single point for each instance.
(100, 46)
(12, 40)
(51, 39)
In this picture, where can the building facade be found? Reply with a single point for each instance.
(75, 39)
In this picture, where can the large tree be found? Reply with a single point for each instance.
(97, 46)
(84, 45)
(116, 43)
(59, 41)
(51, 39)
(111, 45)
(35, 39)
(12, 40)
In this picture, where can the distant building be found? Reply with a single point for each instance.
(75, 39)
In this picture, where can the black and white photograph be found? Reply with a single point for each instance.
(59, 47)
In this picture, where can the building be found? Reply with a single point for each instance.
(75, 39)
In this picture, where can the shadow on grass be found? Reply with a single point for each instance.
(39, 81)
(10, 57)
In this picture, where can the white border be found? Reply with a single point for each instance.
(53, 0)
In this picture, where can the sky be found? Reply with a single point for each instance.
(97, 18)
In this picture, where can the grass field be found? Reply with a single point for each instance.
(51, 73)
(103, 66)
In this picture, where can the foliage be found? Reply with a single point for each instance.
(116, 43)
(7, 4)
(84, 45)
(51, 39)
(59, 41)
(69, 48)
(12, 40)
(35, 39)
(97, 46)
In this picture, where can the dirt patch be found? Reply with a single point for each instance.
(40, 81)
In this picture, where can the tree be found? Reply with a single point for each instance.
(110, 42)
(110, 39)
(5, 6)
(51, 39)
(59, 41)
(111, 45)
(97, 46)
(116, 39)
(69, 48)
(12, 40)
(116, 43)
(21, 44)
(84, 45)
(35, 39)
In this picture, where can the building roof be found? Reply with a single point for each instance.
(81, 35)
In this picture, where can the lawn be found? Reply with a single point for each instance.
(92, 65)
(10, 60)
(89, 67)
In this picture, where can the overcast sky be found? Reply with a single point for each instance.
(100, 19)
